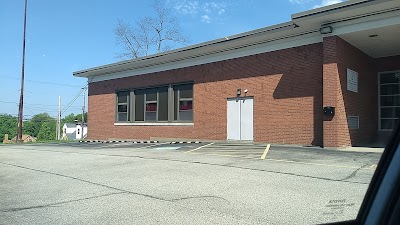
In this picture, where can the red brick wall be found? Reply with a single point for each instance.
(390, 63)
(338, 56)
(286, 85)
(332, 96)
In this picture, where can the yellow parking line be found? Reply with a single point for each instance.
(199, 147)
(265, 152)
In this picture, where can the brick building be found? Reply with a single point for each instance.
(329, 77)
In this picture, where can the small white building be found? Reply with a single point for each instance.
(73, 131)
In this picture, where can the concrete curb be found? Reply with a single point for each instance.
(185, 142)
(141, 142)
(118, 141)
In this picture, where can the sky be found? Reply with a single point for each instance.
(64, 36)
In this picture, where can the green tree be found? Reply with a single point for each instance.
(71, 118)
(28, 128)
(47, 131)
(37, 121)
(79, 117)
(68, 119)
(8, 125)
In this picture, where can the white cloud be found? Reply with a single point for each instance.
(205, 19)
(206, 9)
(327, 2)
(321, 4)
(299, 1)
(187, 7)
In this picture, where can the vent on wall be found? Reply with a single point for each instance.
(353, 122)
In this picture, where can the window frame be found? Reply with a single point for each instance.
(177, 107)
(379, 99)
(170, 103)
(128, 106)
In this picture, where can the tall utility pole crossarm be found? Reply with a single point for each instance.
(21, 98)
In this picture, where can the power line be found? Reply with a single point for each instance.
(73, 100)
(40, 82)
(37, 105)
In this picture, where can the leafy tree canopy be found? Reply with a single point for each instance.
(47, 131)
(71, 118)
(8, 125)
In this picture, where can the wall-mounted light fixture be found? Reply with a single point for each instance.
(238, 92)
(326, 30)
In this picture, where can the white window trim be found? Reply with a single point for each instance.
(379, 99)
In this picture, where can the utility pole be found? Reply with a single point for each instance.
(21, 98)
(58, 128)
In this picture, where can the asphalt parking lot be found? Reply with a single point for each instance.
(180, 183)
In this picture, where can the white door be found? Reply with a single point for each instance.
(240, 119)
(246, 119)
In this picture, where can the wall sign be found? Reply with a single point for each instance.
(352, 80)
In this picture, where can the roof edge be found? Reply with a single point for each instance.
(328, 8)
(276, 27)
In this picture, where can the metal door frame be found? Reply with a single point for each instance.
(240, 116)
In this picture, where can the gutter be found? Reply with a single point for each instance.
(255, 33)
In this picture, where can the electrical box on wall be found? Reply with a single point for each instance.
(329, 110)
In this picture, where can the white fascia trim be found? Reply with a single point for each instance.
(340, 28)
(153, 124)
(295, 41)
(327, 9)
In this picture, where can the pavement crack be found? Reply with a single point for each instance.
(198, 197)
(354, 173)
(58, 203)
(89, 182)
(229, 165)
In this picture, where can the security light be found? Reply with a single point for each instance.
(326, 30)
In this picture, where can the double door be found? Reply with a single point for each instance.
(240, 119)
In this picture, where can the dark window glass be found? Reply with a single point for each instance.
(151, 107)
(163, 105)
(185, 105)
(151, 116)
(389, 78)
(123, 97)
(123, 108)
(390, 100)
(183, 102)
(186, 115)
(390, 89)
(139, 107)
(388, 123)
(391, 112)
(176, 105)
(122, 117)
(151, 95)
(186, 93)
